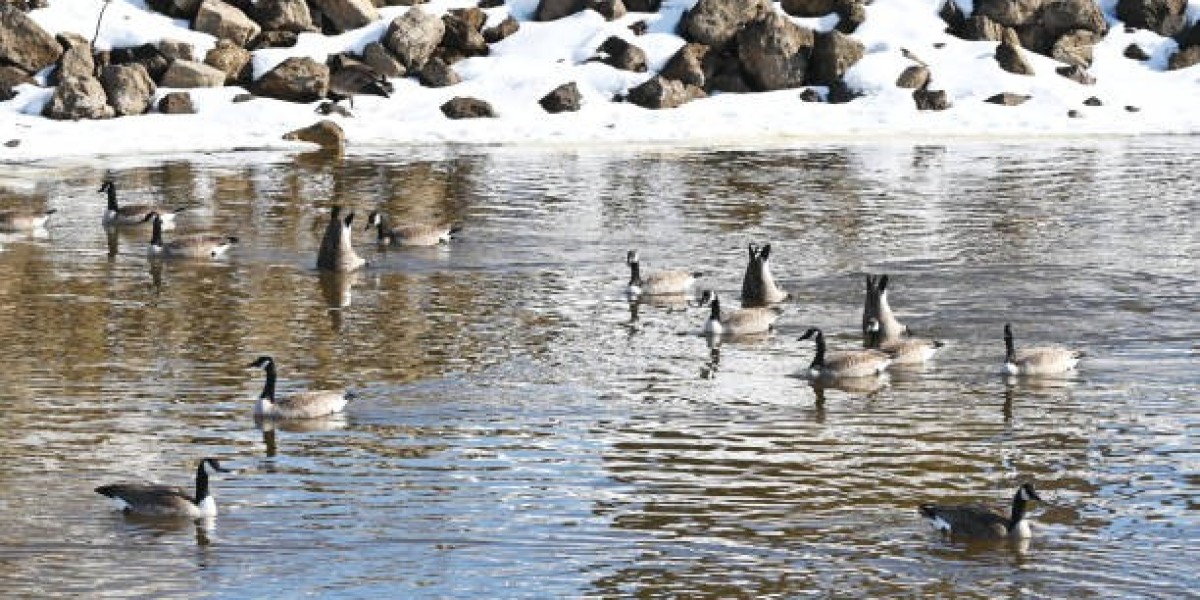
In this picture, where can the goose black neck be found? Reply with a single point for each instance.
(1010, 352)
(201, 482)
(716, 309)
(156, 232)
(873, 336)
(818, 360)
(635, 273)
(112, 196)
(1018, 510)
(381, 228)
(269, 387)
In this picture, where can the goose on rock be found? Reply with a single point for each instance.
(156, 500)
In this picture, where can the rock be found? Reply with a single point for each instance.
(347, 14)
(840, 93)
(76, 59)
(688, 65)
(1093, 101)
(501, 30)
(1008, 55)
(851, 14)
(1008, 99)
(176, 103)
(1132, 109)
(774, 52)
(274, 39)
(285, 15)
(1076, 74)
(620, 54)
(956, 20)
(659, 92)
(296, 79)
(490, 3)
(11, 77)
(833, 53)
(129, 89)
(639, 27)
(1135, 52)
(931, 100)
(914, 77)
(650, 6)
(1164, 17)
(191, 74)
(1061, 16)
(715, 23)
(435, 73)
(148, 55)
(609, 9)
(810, 95)
(413, 36)
(1074, 114)
(807, 8)
(462, 35)
(176, 9)
(564, 98)
(176, 50)
(461, 107)
(78, 98)
(1184, 58)
(1075, 48)
(330, 107)
(325, 133)
(550, 10)
(377, 57)
(1010, 13)
(24, 43)
(232, 60)
(474, 17)
(225, 21)
(983, 29)
(1189, 37)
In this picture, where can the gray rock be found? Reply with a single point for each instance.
(285, 15)
(931, 100)
(564, 98)
(1008, 99)
(78, 98)
(467, 108)
(24, 43)
(1075, 48)
(232, 60)
(620, 54)
(914, 77)
(296, 79)
(550, 10)
(176, 50)
(413, 36)
(501, 30)
(76, 59)
(379, 58)
(436, 73)
(1077, 74)
(774, 52)
(225, 21)
(659, 92)
(129, 89)
(833, 53)
(715, 23)
(176, 9)
(347, 14)
(1164, 17)
(1008, 55)
(191, 74)
(176, 103)
(807, 8)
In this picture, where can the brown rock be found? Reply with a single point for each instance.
(1077, 74)
(76, 59)
(1008, 99)
(688, 65)
(931, 100)
(501, 30)
(551, 10)
(148, 55)
(176, 103)
(610, 9)
(129, 89)
(436, 73)
(1009, 13)
(296, 79)
(1135, 52)
(1164, 17)
(413, 36)
(914, 77)
(347, 14)
(191, 74)
(224, 21)
(851, 14)
(24, 43)
(659, 92)
(463, 36)
(715, 23)
(620, 54)
(274, 39)
(474, 17)
(379, 58)
(285, 15)
(832, 54)
(810, 95)
(176, 50)
(774, 52)
(807, 8)
(1008, 55)
(11, 77)
(1075, 48)
(461, 107)
(325, 133)
(1184, 58)
(176, 9)
(78, 98)
(232, 60)
(983, 29)
(564, 98)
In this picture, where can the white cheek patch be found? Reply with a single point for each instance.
(940, 524)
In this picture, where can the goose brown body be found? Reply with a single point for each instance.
(411, 234)
(1042, 360)
(299, 405)
(156, 500)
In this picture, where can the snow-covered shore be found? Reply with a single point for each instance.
(542, 55)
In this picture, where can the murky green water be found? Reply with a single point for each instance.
(522, 431)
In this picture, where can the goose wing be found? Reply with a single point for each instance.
(856, 363)
(910, 350)
(971, 521)
(315, 403)
(750, 320)
(1047, 359)
(420, 234)
(201, 245)
(668, 282)
(150, 499)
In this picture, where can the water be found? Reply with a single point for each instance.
(522, 431)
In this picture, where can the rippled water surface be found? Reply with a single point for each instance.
(522, 430)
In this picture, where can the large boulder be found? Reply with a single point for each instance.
(345, 15)
(76, 59)
(550, 10)
(78, 98)
(807, 8)
(24, 43)
(716, 22)
(659, 92)
(296, 79)
(1008, 55)
(1061, 16)
(564, 98)
(774, 52)
(1164, 17)
(192, 74)
(284, 15)
(225, 21)
(461, 107)
(177, 9)
(1010, 13)
(620, 54)
(129, 89)
(413, 36)
(832, 54)
(232, 60)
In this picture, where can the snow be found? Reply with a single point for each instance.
(541, 56)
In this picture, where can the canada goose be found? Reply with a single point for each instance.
(336, 252)
(980, 522)
(1044, 360)
(744, 321)
(132, 214)
(849, 363)
(412, 234)
(758, 285)
(904, 350)
(199, 245)
(675, 281)
(301, 405)
(156, 500)
(349, 77)
(12, 221)
(877, 307)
